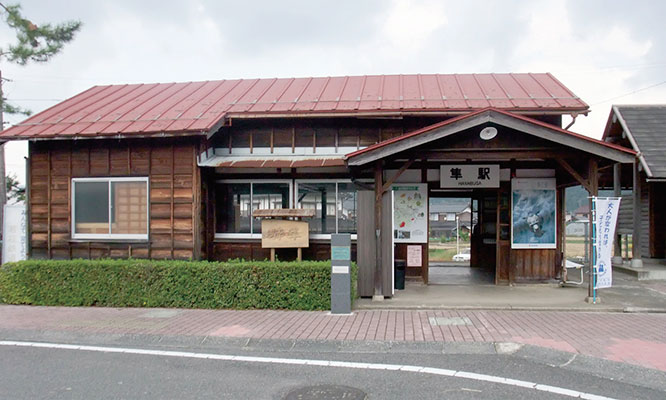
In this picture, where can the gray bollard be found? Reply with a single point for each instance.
(341, 273)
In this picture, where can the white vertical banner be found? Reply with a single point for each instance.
(15, 241)
(606, 211)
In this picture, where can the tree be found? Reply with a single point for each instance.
(15, 192)
(33, 43)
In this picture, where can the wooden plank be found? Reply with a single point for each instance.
(584, 182)
(48, 205)
(379, 183)
(366, 243)
(386, 244)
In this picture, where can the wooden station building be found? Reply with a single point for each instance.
(177, 170)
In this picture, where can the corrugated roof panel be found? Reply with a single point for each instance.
(271, 96)
(391, 93)
(310, 97)
(563, 95)
(514, 91)
(351, 94)
(199, 116)
(541, 97)
(95, 111)
(411, 92)
(475, 96)
(454, 97)
(116, 109)
(177, 110)
(164, 102)
(67, 105)
(431, 93)
(215, 113)
(495, 94)
(90, 105)
(371, 93)
(246, 100)
(291, 95)
(197, 107)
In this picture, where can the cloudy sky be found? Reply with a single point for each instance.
(606, 51)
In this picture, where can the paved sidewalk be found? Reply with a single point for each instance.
(638, 339)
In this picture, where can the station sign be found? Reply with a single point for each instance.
(469, 176)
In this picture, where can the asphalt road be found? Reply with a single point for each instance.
(53, 373)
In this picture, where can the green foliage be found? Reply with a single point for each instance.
(183, 284)
(15, 192)
(35, 43)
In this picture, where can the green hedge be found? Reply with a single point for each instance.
(184, 284)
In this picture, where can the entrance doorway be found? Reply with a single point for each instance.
(457, 248)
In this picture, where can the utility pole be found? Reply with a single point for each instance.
(3, 184)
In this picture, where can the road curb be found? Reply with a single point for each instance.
(623, 372)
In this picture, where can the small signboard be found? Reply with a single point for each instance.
(340, 273)
(468, 176)
(414, 255)
(279, 234)
(342, 253)
(15, 243)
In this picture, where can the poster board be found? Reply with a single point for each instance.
(414, 255)
(410, 213)
(283, 233)
(533, 213)
(15, 243)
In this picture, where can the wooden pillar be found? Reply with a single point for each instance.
(593, 191)
(636, 260)
(617, 192)
(379, 191)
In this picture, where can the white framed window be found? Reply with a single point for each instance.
(110, 208)
(334, 202)
(237, 199)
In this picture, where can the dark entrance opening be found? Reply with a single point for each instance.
(455, 239)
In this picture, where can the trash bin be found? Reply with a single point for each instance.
(400, 274)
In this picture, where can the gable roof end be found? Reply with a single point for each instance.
(518, 122)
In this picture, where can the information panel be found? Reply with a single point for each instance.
(410, 213)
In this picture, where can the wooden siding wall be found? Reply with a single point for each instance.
(175, 196)
(252, 250)
(322, 132)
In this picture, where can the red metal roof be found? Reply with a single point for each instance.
(200, 107)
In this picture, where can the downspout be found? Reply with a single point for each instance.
(573, 121)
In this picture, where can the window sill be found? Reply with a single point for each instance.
(108, 240)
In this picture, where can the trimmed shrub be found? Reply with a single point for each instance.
(302, 285)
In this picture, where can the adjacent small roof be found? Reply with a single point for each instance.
(201, 107)
(453, 125)
(645, 127)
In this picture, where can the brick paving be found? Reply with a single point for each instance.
(633, 338)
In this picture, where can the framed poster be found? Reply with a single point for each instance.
(533, 213)
(410, 213)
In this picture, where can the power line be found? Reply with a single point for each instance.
(630, 93)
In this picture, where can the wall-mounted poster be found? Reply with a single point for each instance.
(410, 213)
(533, 214)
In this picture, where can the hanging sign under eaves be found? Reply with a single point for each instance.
(469, 176)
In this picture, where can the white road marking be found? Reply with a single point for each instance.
(320, 363)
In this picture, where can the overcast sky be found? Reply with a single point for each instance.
(607, 52)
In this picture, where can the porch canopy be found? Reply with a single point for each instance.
(520, 143)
